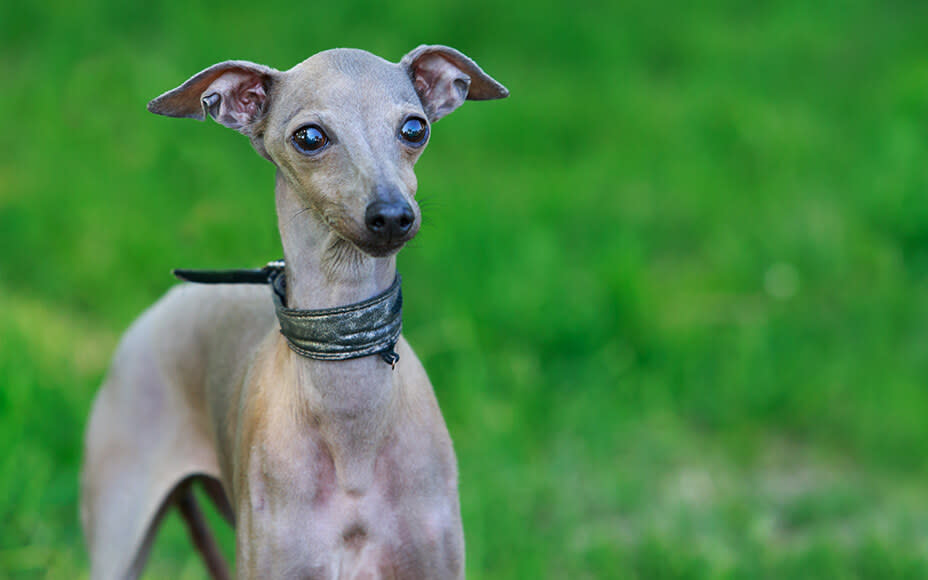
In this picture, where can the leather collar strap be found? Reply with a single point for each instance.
(345, 332)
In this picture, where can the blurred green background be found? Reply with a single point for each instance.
(671, 293)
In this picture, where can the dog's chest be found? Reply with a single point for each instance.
(402, 523)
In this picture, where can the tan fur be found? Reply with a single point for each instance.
(339, 469)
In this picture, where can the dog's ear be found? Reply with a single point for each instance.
(444, 78)
(234, 93)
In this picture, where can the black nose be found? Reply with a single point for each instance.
(389, 219)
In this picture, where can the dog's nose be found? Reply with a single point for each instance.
(389, 219)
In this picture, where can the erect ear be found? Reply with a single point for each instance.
(444, 78)
(234, 93)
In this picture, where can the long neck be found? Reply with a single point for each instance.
(349, 399)
(323, 270)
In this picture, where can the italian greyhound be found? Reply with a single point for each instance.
(327, 466)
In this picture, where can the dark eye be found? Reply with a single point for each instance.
(414, 131)
(309, 139)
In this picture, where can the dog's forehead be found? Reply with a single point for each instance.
(349, 76)
(345, 60)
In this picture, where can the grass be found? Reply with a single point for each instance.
(671, 293)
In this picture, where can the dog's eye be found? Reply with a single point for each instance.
(414, 131)
(309, 139)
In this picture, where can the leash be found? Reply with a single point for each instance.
(369, 327)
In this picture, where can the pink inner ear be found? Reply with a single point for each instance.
(441, 85)
(421, 86)
(243, 97)
(251, 99)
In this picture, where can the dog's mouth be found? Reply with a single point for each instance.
(370, 243)
(380, 246)
(378, 233)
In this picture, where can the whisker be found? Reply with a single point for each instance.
(297, 214)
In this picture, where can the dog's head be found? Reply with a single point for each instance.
(344, 127)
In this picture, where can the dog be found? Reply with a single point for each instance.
(299, 409)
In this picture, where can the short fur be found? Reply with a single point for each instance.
(328, 469)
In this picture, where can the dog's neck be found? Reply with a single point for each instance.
(348, 399)
(323, 270)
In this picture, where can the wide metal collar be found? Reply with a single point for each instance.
(345, 332)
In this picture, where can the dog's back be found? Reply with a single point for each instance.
(150, 426)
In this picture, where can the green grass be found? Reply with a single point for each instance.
(671, 293)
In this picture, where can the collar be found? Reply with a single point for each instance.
(345, 332)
